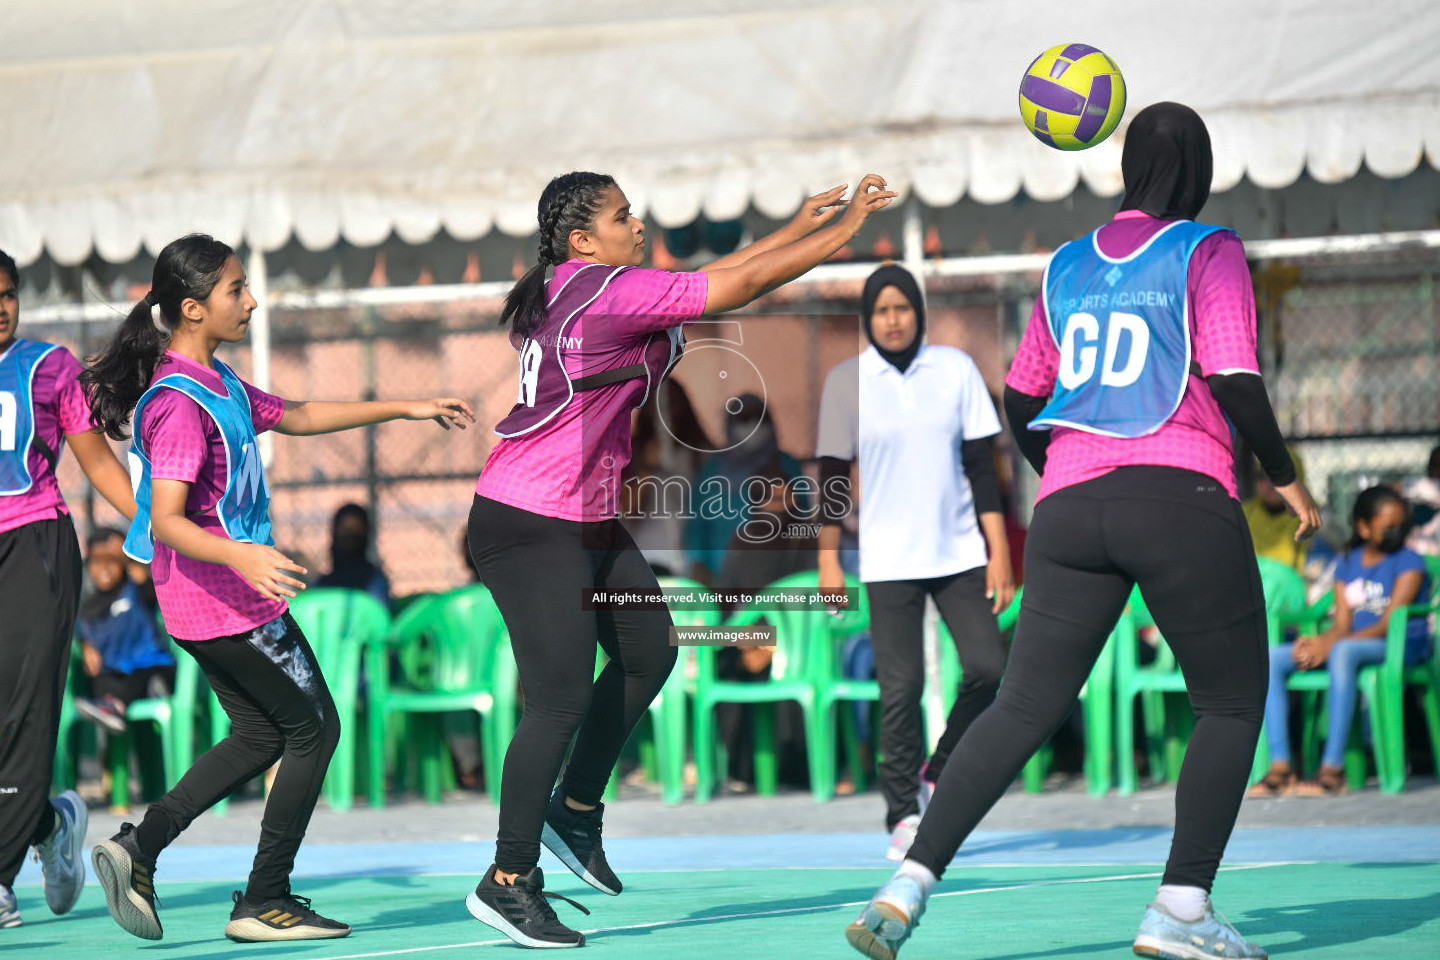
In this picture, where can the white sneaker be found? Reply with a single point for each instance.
(927, 790)
(61, 854)
(888, 919)
(902, 837)
(9, 912)
(1209, 938)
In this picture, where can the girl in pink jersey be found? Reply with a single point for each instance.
(223, 587)
(595, 340)
(41, 403)
(1141, 346)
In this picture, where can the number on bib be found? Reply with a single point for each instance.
(9, 413)
(529, 372)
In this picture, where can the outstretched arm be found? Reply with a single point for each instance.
(309, 417)
(733, 287)
(814, 214)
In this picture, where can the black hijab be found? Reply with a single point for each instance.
(893, 275)
(1166, 162)
(350, 564)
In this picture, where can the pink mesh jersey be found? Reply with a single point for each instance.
(59, 409)
(1222, 320)
(568, 466)
(201, 601)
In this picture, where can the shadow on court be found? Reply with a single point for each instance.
(1341, 922)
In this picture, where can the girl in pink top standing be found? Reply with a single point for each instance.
(594, 341)
(223, 588)
(41, 404)
(1140, 348)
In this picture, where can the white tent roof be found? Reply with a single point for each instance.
(130, 124)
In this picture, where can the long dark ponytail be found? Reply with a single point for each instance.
(187, 269)
(569, 202)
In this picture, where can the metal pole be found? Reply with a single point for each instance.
(260, 336)
(912, 239)
(372, 487)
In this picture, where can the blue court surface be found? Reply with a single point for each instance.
(1305, 892)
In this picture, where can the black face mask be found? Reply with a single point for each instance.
(351, 544)
(1392, 540)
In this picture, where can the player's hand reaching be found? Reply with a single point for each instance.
(263, 567)
(443, 410)
(869, 197)
(819, 210)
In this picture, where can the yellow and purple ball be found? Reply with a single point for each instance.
(1072, 96)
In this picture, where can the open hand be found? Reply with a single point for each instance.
(263, 567)
(869, 197)
(999, 584)
(443, 410)
(819, 210)
(1302, 505)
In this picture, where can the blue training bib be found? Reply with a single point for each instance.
(244, 507)
(1122, 327)
(17, 413)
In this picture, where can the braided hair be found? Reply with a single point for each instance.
(568, 203)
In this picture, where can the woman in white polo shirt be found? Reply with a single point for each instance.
(918, 419)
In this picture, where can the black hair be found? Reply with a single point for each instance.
(115, 379)
(1367, 505)
(1432, 468)
(100, 536)
(345, 511)
(569, 202)
(7, 264)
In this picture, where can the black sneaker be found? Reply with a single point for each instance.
(522, 910)
(129, 881)
(574, 837)
(281, 918)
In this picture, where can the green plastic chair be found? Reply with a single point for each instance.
(340, 625)
(174, 717)
(833, 688)
(469, 667)
(1150, 683)
(1284, 607)
(790, 679)
(1285, 610)
(67, 750)
(1383, 686)
(665, 758)
(1096, 704)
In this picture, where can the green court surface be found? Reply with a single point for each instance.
(1303, 910)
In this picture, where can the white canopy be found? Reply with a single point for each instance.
(130, 124)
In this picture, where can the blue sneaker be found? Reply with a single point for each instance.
(61, 854)
(1210, 937)
(888, 919)
(9, 912)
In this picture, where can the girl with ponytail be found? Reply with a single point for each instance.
(203, 522)
(595, 339)
(41, 404)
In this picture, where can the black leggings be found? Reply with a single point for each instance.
(279, 706)
(536, 567)
(1184, 540)
(39, 592)
(897, 614)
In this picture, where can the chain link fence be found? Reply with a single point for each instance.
(1347, 342)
